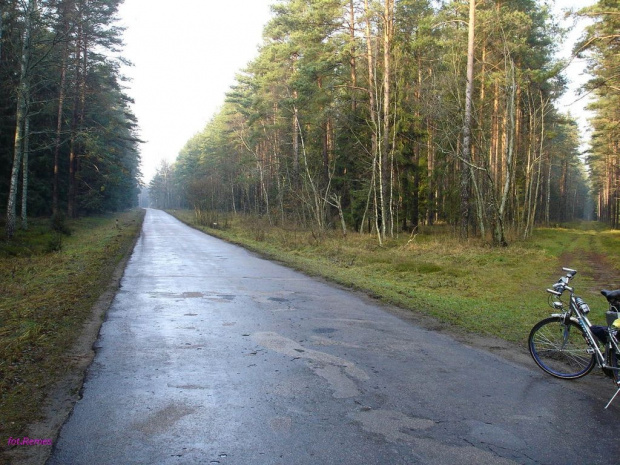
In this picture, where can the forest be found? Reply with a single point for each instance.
(379, 116)
(68, 137)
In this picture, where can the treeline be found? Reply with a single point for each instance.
(601, 46)
(68, 142)
(353, 115)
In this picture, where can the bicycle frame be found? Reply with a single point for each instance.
(575, 314)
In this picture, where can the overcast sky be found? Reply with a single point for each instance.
(572, 102)
(186, 54)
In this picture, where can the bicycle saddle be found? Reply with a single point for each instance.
(613, 297)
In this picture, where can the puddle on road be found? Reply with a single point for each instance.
(324, 330)
(163, 419)
(189, 345)
(282, 298)
(188, 386)
(322, 341)
(193, 295)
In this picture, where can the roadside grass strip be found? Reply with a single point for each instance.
(49, 282)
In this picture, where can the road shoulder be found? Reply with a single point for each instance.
(63, 395)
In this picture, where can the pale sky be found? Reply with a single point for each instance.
(186, 54)
(571, 101)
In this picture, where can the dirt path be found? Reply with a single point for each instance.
(592, 264)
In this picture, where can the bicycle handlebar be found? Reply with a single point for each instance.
(562, 284)
(570, 271)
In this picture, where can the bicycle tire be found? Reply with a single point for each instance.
(559, 349)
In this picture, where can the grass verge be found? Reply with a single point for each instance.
(48, 285)
(498, 292)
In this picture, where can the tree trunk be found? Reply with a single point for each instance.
(81, 61)
(61, 101)
(374, 128)
(564, 191)
(430, 168)
(500, 235)
(548, 196)
(534, 190)
(295, 142)
(2, 25)
(325, 152)
(25, 156)
(384, 159)
(352, 62)
(296, 133)
(466, 149)
(23, 92)
(73, 145)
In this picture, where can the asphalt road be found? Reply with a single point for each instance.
(210, 355)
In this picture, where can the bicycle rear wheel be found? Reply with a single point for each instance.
(561, 349)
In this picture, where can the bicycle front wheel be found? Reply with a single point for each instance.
(561, 349)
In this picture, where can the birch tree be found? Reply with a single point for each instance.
(23, 93)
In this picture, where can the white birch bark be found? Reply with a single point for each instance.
(23, 91)
(466, 149)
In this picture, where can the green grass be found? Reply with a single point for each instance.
(472, 287)
(45, 297)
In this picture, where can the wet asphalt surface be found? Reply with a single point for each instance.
(210, 355)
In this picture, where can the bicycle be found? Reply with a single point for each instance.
(566, 345)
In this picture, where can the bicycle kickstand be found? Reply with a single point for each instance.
(612, 399)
